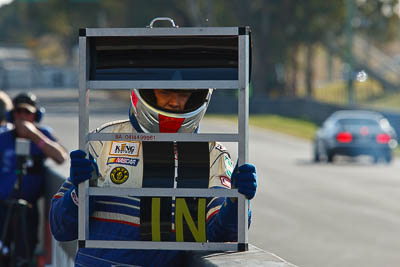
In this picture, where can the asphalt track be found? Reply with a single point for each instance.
(331, 215)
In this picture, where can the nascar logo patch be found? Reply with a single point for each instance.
(119, 148)
(122, 161)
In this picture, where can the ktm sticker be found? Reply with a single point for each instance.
(119, 175)
(124, 148)
(225, 181)
(122, 161)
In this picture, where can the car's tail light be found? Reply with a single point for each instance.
(344, 137)
(383, 138)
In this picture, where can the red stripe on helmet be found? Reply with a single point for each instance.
(134, 98)
(168, 124)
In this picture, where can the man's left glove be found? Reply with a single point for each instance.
(81, 167)
(244, 179)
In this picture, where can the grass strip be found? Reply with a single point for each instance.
(295, 127)
(290, 126)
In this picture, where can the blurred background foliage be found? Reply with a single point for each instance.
(300, 48)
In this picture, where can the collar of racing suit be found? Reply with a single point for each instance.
(134, 122)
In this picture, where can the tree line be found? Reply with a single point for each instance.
(280, 28)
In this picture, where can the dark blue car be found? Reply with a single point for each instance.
(353, 133)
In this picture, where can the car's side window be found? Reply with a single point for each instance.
(329, 124)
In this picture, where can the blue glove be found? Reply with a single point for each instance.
(244, 179)
(81, 167)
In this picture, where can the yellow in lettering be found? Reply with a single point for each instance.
(155, 219)
(182, 211)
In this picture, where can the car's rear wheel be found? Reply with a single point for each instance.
(388, 157)
(316, 153)
(329, 156)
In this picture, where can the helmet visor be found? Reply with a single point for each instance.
(197, 98)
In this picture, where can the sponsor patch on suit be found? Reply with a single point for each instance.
(124, 148)
(228, 165)
(225, 181)
(119, 175)
(122, 161)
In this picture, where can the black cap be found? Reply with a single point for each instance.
(26, 100)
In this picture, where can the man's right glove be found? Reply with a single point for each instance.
(81, 167)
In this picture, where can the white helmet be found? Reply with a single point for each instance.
(153, 119)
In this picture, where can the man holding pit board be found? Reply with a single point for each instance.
(132, 160)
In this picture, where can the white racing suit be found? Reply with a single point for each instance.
(120, 164)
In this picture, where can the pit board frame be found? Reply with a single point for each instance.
(241, 84)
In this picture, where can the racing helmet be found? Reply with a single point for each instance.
(153, 119)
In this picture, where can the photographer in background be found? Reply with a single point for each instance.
(5, 107)
(22, 177)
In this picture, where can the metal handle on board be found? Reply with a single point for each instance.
(162, 19)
